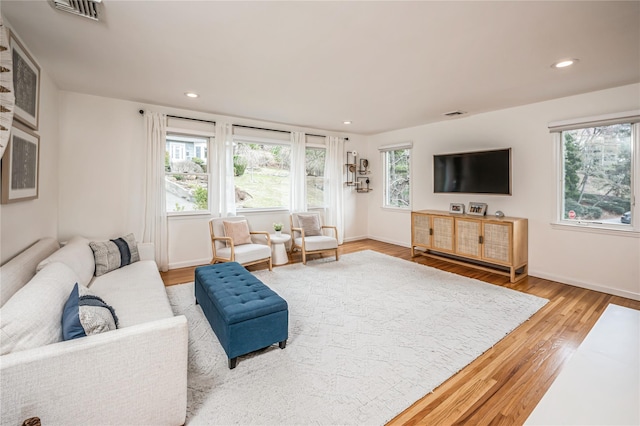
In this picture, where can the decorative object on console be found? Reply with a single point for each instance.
(7, 95)
(456, 208)
(20, 167)
(477, 209)
(499, 214)
(26, 84)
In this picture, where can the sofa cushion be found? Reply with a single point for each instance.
(114, 254)
(136, 292)
(32, 317)
(238, 231)
(310, 224)
(86, 314)
(18, 271)
(78, 256)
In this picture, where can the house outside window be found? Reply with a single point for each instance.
(397, 176)
(186, 174)
(598, 170)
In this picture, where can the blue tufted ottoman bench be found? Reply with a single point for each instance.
(245, 314)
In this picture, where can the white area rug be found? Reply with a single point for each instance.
(368, 336)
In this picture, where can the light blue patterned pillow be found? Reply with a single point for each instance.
(86, 315)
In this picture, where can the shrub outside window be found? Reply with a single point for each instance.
(597, 171)
(186, 174)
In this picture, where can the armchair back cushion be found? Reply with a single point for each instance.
(238, 231)
(310, 224)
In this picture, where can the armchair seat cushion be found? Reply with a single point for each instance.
(246, 252)
(319, 242)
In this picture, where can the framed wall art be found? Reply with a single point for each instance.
(20, 165)
(477, 209)
(456, 208)
(26, 84)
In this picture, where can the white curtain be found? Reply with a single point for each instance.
(224, 190)
(155, 218)
(298, 176)
(333, 185)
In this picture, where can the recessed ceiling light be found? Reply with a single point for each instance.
(191, 95)
(347, 122)
(564, 63)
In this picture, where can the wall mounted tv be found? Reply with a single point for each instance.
(482, 172)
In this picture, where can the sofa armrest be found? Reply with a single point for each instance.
(147, 251)
(133, 375)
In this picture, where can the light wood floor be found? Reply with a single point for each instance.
(502, 386)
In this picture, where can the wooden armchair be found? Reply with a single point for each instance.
(233, 241)
(308, 235)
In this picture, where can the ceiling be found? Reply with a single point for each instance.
(383, 65)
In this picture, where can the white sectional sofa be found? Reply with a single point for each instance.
(134, 375)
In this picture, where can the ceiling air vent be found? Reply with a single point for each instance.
(86, 8)
(454, 113)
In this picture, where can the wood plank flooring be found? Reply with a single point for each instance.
(502, 386)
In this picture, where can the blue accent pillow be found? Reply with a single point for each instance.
(86, 315)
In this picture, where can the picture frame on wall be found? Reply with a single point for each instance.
(26, 84)
(20, 165)
(477, 209)
(457, 208)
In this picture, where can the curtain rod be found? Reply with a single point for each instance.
(281, 131)
(184, 118)
(239, 125)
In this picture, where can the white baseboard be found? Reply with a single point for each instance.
(361, 237)
(188, 263)
(587, 285)
(386, 240)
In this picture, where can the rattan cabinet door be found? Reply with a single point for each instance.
(468, 233)
(442, 238)
(421, 230)
(497, 242)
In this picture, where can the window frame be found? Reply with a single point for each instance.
(384, 151)
(210, 137)
(594, 226)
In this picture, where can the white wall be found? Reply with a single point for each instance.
(23, 223)
(102, 172)
(604, 262)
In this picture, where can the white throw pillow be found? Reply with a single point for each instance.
(78, 256)
(32, 317)
(310, 224)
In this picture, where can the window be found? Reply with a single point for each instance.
(314, 167)
(597, 171)
(186, 178)
(261, 174)
(397, 188)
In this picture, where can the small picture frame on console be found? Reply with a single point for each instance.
(457, 208)
(477, 209)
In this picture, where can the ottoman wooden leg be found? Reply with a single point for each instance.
(232, 363)
(283, 344)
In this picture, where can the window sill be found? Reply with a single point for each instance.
(396, 209)
(596, 229)
(188, 215)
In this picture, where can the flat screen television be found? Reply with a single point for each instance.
(482, 172)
